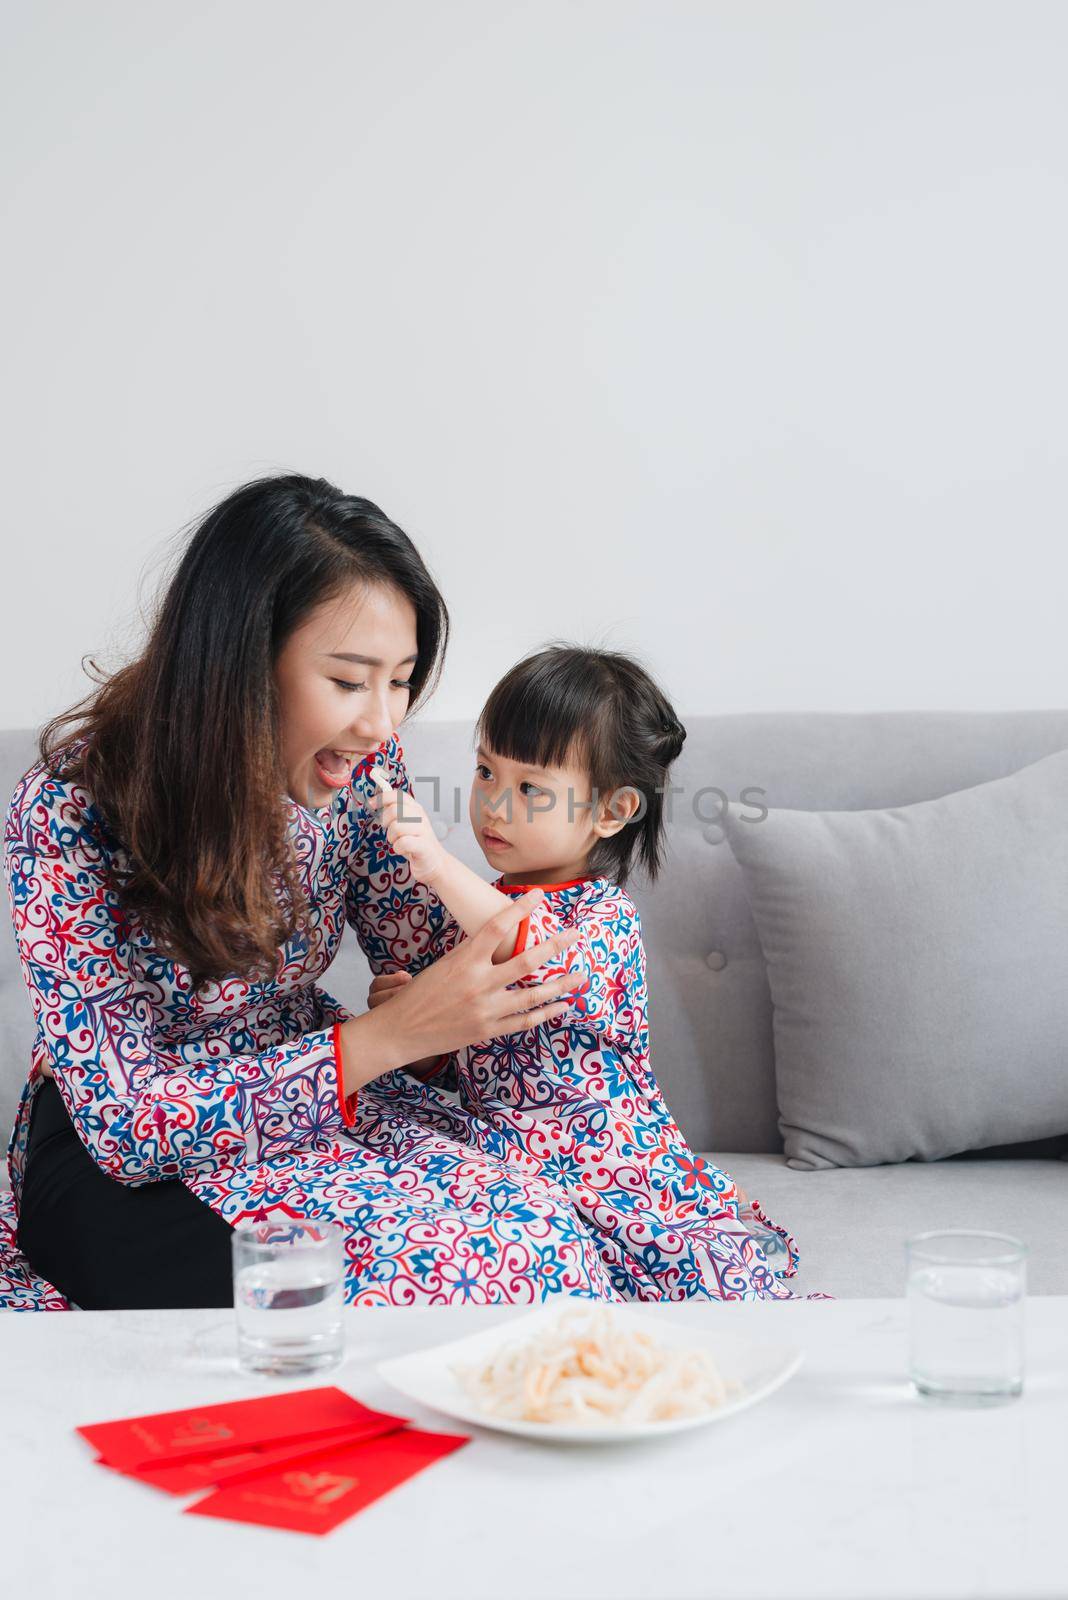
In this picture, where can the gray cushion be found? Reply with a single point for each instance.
(918, 964)
(850, 1224)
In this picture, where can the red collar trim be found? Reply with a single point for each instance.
(572, 883)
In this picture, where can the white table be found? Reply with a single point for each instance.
(842, 1484)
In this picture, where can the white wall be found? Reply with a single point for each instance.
(731, 333)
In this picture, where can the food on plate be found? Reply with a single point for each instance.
(587, 1367)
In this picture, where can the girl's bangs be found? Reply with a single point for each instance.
(536, 721)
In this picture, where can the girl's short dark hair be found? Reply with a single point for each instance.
(568, 705)
(181, 749)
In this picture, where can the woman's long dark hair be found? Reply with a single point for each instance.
(180, 750)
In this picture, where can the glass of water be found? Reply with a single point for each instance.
(966, 1296)
(288, 1295)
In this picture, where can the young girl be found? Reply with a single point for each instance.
(575, 747)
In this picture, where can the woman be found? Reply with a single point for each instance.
(182, 862)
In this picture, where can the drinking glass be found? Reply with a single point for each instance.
(288, 1295)
(966, 1295)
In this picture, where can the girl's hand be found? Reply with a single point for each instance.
(409, 830)
(385, 985)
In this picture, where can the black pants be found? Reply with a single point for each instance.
(107, 1245)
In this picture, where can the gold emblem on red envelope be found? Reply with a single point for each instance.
(322, 1487)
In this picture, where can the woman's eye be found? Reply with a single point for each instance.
(483, 772)
(343, 683)
(531, 787)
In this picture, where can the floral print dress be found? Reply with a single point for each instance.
(578, 1098)
(236, 1091)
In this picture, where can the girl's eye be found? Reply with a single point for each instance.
(486, 775)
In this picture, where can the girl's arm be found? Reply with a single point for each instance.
(470, 900)
(402, 925)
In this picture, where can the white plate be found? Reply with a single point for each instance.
(426, 1375)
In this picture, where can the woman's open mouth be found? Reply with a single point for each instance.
(334, 767)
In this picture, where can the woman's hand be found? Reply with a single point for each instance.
(409, 830)
(462, 999)
(382, 987)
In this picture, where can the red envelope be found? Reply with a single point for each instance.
(182, 1477)
(315, 1495)
(211, 1431)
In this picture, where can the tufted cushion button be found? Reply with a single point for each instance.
(713, 834)
(441, 829)
(715, 961)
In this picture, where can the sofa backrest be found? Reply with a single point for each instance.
(710, 1008)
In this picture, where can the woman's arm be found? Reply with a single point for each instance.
(142, 1116)
(382, 988)
(465, 997)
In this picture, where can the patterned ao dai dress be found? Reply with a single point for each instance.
(236, 1090)
(578, 1098)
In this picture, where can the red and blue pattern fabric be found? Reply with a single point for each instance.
(578, 1096)
(235, 1090)
(20, 1287)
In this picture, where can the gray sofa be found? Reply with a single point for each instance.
(711, 1017)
